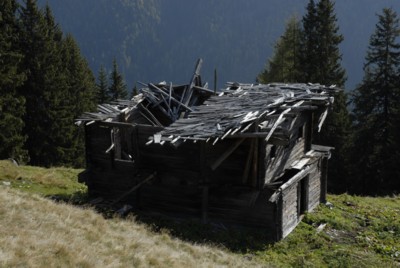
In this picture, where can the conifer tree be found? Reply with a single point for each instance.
(309, 44)
(12, 105)
(80, 98)
(322, 60)
(102, 86)
(39, 49)
(377, 111)
(284, 66)
(134, 92)
(117, 89)
(58, 88)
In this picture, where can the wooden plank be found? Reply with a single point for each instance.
(133, 189)
(172, 98)
(226, 154)
(301, 174)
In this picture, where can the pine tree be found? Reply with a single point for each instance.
(117, 89)
(321, 59)
(284, 66)
(377, 111)
(102, 86)
(12, 105)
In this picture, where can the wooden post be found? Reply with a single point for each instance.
(309, 132)
(324, 179)
(279, 218)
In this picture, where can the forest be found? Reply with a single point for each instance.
(46, 82)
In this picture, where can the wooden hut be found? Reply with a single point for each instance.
(242, 155)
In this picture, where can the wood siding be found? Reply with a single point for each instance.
(193, 181)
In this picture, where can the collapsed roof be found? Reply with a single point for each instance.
(195, 112)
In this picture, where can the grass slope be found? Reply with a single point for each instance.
(36, 232)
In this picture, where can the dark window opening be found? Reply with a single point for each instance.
(272, 152)
(300, 132)
(302, 196)
(122, 140)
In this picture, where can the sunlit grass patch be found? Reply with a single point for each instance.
(44, 181)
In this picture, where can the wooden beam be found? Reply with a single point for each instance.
(134, 188)
(256, 135)
(172, 98)
(227, 153)
(246, 170)
(301, 174)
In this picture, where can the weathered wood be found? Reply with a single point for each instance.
(150, 177)
(249, 158)
(256, 135)
(224, 156)
(301, 174)
(171, 98)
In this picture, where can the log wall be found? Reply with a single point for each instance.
(278, 158)
(300, 197)
(192, 180)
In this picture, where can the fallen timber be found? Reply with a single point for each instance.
(242, 155)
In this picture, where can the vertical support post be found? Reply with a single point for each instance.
(324, 179)
(309, 132)
(279, 218)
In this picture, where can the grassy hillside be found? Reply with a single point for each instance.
(35, 232)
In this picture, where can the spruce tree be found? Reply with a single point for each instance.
(321, 59)
(102, 86)
(284, 66)
(134, 92)
(320, 55)
(33, 22)
(377, 111)
(309, 44)
(59, 87)
(12, 104)
(117, 89)
(81, 97)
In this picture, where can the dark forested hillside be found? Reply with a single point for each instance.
(155, 40)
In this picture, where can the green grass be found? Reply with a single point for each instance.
(57, 182)
(358, 232)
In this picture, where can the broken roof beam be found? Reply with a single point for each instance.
(204, 90)
(172, 98)
(195, 81)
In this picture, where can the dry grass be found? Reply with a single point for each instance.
(36, 232)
